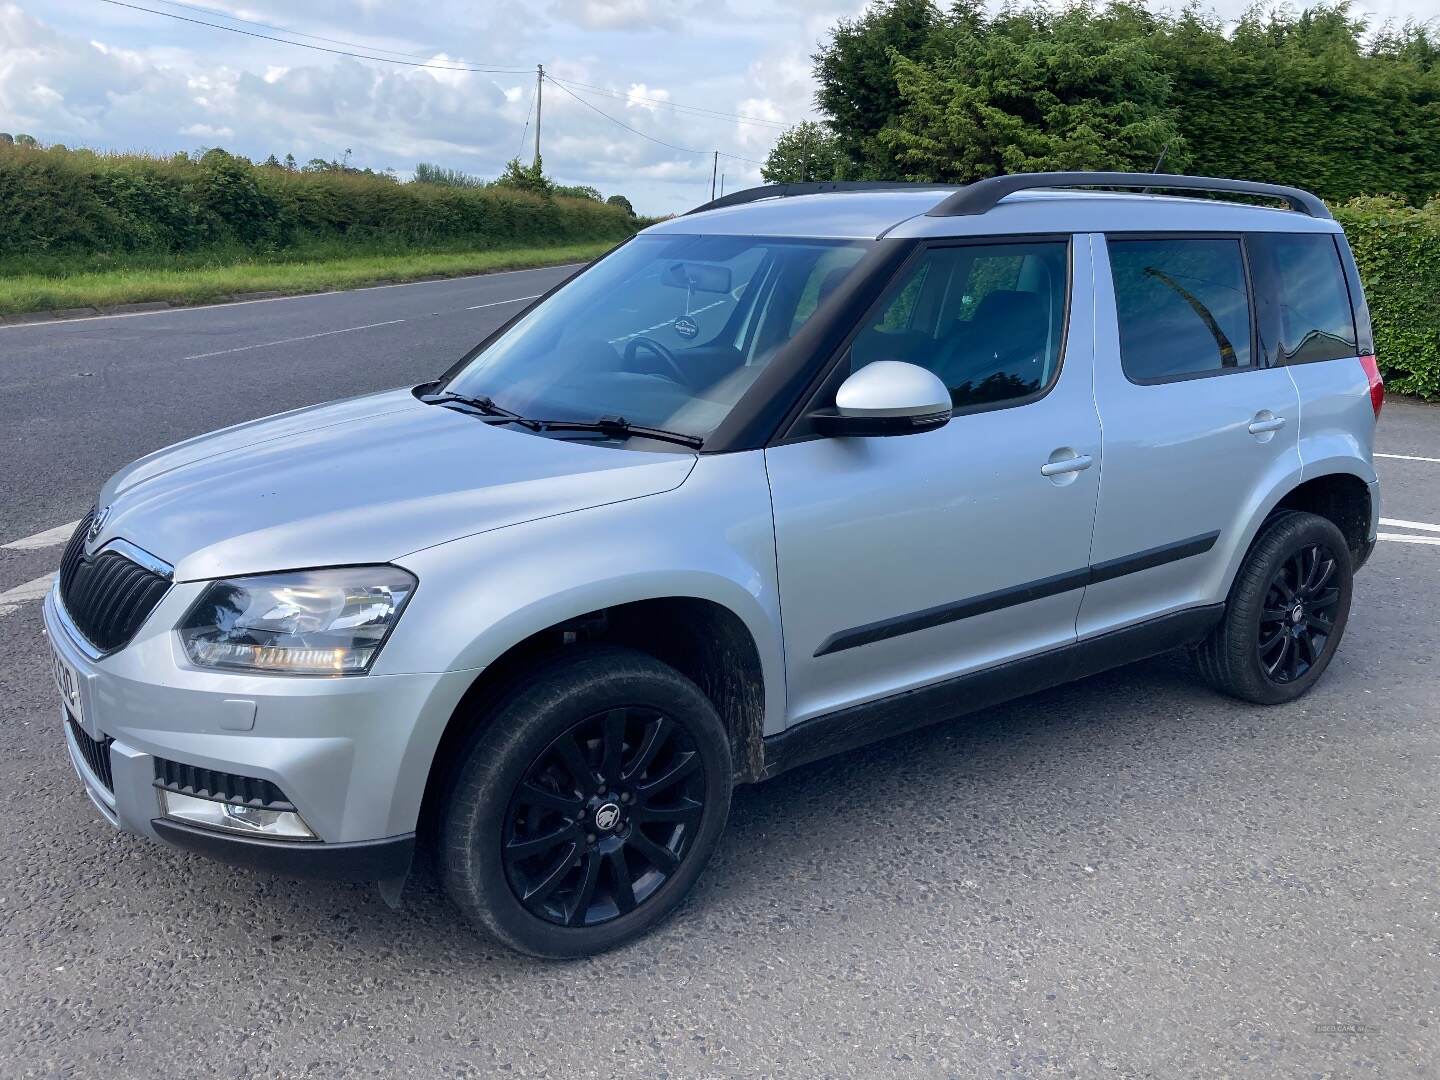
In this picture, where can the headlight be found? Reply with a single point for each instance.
(308, 622)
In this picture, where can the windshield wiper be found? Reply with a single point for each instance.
(483, 403)
(619, 427)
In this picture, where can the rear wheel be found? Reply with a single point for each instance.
(589, 806)
(1286, 612)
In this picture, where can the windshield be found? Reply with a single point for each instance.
(667, 332)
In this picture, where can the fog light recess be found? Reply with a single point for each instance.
(237, 818)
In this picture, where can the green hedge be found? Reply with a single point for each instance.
(61, 202)
(1398, 251)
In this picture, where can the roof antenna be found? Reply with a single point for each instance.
(1158, 162)
(1161, 159)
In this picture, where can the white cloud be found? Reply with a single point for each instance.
(640, 96)
(630, 15)
(205, 131)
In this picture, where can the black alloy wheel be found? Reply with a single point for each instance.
(1299, 613)
(603, 817)
(587, 802)
(1285, 613)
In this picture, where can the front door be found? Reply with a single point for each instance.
(906, 560)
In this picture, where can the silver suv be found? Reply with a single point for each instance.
(805, 468)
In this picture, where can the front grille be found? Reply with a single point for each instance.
(107, 596)
(96, 753)
(219, 786)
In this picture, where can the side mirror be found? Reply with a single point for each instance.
(886, 397)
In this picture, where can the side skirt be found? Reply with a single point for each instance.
(859, 725)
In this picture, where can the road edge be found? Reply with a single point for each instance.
(148, 307)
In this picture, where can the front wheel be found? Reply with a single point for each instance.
(589, 806)
(1286, 612)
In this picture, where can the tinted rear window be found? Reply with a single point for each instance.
(1183, 306)
(1303, 301)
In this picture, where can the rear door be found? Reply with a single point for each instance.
(1198, 429)
(903, 561)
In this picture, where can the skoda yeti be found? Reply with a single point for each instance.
(808, 467)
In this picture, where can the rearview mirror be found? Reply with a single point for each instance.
(886, 397)
(697, 277)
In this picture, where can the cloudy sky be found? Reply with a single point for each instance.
(91, 73)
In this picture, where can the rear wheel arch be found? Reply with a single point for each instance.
(1343, 499)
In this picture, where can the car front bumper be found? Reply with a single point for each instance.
(351, 754)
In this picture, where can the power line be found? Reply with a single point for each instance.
(621, 123)
(316, 48)
(455, 65)
(737, 157)
(534, 101)
(642, 134)
(526, 129)
(296, 33)
(671, 104)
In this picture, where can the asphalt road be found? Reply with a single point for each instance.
(1129, 877)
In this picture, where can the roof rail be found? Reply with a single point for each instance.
(814, 187)
(983, 195)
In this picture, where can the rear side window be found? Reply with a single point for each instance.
(1183, 306)
(1303, 301)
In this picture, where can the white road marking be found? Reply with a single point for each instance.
(49, 538)
(289, 340)
(11, 599)
(1410, 457)
(278, 299)
(502, 303)
(1402, 538)
(1423, 526)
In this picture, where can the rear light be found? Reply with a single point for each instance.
(1377, 384)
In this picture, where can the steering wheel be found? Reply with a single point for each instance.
(632, 350)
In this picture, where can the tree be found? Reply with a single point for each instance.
(1308, 98)
(804, 152)
(425, 173)
(622, 202)
(271, 162)
(856, 77)
(6, 139)
(1028, 92)
(530, 178)
(289, 162)
(26, 140)
(577, 191)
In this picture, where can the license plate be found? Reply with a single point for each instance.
(67, 681)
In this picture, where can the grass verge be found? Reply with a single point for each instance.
(192, 282)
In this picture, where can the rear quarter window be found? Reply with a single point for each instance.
(1302, 299)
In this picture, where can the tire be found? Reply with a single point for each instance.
(1266, 650)
(587, 808)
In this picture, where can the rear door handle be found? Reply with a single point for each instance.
(1079, 463)
(1259, 427)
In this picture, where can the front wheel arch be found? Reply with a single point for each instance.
(705, 641)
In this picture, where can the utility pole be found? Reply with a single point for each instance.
(714, 171)
(539, 94)
(722, 185)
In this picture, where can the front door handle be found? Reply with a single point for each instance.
(1079, 463)
(1273, 423)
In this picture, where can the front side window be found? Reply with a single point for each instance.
(1183, 306)
(1304, 303)
(667, 332)
(989, 319)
